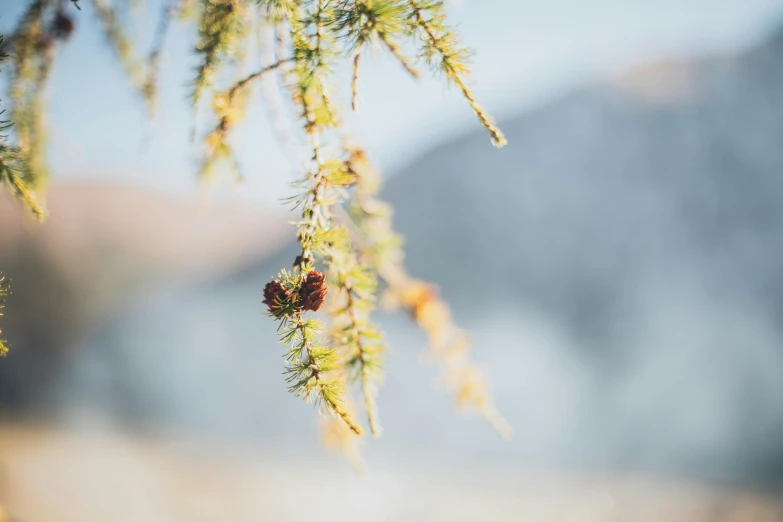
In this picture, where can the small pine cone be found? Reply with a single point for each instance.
(275, 296)
(313, 291)
(62, 26)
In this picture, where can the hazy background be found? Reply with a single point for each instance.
(618, 265)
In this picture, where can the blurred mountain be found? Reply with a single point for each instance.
(130, 233)
(668, 167)
(624, 251)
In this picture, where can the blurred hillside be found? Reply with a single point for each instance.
(105, 246)
(672, 163)
(618, 265)
(78, 477)
(622, 260)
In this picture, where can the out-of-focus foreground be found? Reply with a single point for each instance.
(72, 477)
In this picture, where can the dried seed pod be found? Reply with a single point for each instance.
(313, 291)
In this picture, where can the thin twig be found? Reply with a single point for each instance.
(241, 83)
(397, 54)
(355, 80)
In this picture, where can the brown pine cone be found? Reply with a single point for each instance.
(313, 291)
(62, 26)
(275, 296)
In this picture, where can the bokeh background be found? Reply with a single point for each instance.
(618, 266)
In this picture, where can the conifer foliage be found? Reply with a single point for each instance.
(14, 168)
(4, 291)
(347, 246)
(11, 169)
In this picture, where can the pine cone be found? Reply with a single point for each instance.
(275, 297)
(313, 291)
(62, 26)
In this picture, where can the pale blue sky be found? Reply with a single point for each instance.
(528, 51)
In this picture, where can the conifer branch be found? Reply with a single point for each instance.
(121, 46)
(312, 368)
(336, 435)
(150, 88)
(319, 237)
(315, 231)
(5, 291)
(273, 97)
(439, 41)
(319, 34)
(23, 165)
(13, 167)
(382, 248)
(371, 21)
(14, 174)
(366, 358)
(355, 79)
(358, 339)
(261, 72)
(220, 29)
(395, 50)
(308, 363)
(228, 106)
(308, 375)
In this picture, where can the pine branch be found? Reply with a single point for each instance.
(355, 79)
(448, 344)
(22, 167)
(229, 107)
(220, 29)
(442, 51)
(121, 45)
(336, 435)
(314, 232)
(14, 173)
(395, 50)
(366, 358)
(243, 82)
(320, 33)
(319, 237)
(308, 373)
(150, 87)
(353, 334)
(369, 22)
(311, 367)
(5, 291)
